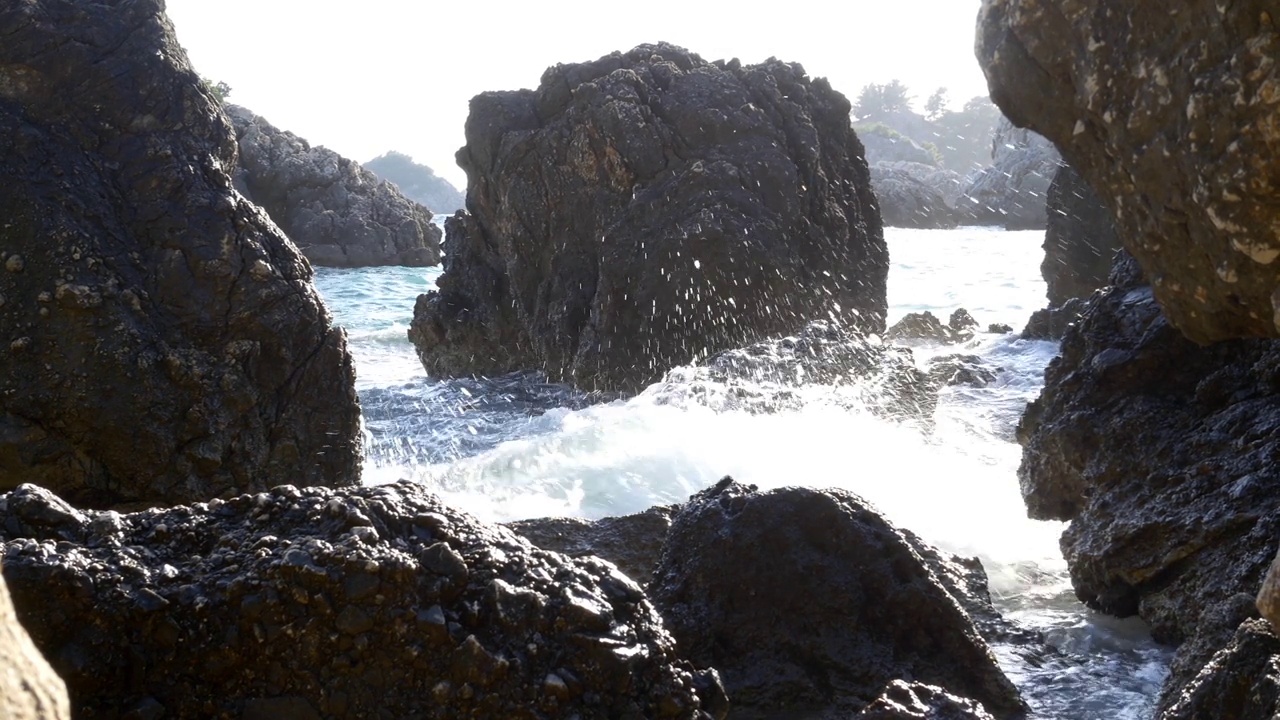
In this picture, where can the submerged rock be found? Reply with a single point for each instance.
(1170, 113)
(370, 602)
(29, 689)
(1080, 240)
(646, 209)
(1011, 192)
(809, 602)
(161, 339)
(337, 212)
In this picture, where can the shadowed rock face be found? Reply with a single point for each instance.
(913, 195)
(29, 689)
(1172, 113)
(161, 339)
(639, 211)
(809, 602)
(1080, 240)
(1240, 683)
(1011, 192)
(338, 213)
(375, 602)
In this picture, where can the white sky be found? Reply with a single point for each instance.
(375, 75)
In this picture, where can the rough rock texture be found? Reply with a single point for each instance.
(1012, 191)
(161, 339)
(375, 602)
(808, 601)
(916, 701)
(1242, 682)
(418, 182)
(632, 542)
(925, 325)
(649, 208)
(29, 688)
(1080, 240)
(910, 195)
(1161, 453)
(968, 370)
(1172, 113)
(1051, 323)
(338, 213)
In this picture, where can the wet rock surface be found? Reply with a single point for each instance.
(808, 602)
(161, 340)
(1240, 683)
(1160, 453)
(903, 700)
(337, 212)
(1052, 323)
(1080, 240)
(960, 327)
(320, 603)
(640, 211)
(29, 688)
(1170, 114)
(632, 542)
(1011, 192)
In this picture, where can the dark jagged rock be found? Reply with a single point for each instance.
(29, 689)
(925, 325)
(1161, 453)
(968, 370)
(1170, 113)
(1080, 240)
(162, 341)
(319, 603)
(1011, 192)
(916, 701)
(999, 329)
(338, 213)
(637, 212)
(1242, 681)
(908, 197)
(1214, 628)
(809, 602)
(1052, 323)
(418, 182)
(632, 542)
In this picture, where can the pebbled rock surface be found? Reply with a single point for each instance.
(632, 542)
(903, 700)
(1011, 192)
(337, 212)
(1080, 240)
(161, 339)
(649, 208)
(1161, 453)
(1172, 114)
(29, 688)
(373, 602)
(809, 602)
(913, 195)
(1241, 682)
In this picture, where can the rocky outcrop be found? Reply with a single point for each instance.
(29, 689)
(637, 212)
(320, 603)
(337, 212)
(915, 196)
(1159, 452)
(883, 144)
(1080, 240)
(1171, 115)
(916, 701)
(632, 542)
(1011, 192)
(960, 327)
(161, 339)
(808, 601)
(418, 182)
(1052, 323)
(1240, 683)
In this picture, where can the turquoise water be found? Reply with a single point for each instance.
(514, 447)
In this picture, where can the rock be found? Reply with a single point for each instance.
(909, 198)
(808, 601)
(1080, 239)
(632, 542)
(29, 689)
(1242, 681)
(999, 329)
(884, 144)
(337, 212)
(367, 602)
(916, 701)
(418, 182)
(1268, 600)
(1170, 114)
(163, 342)
(639, 212)
(925, 325)
(1159, 453)
(1011, 192)
(968, 370)
(1052, 323)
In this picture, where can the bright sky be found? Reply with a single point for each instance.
(366, 77)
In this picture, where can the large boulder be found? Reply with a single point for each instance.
(1011, 192)
(913, 195)
(632, 542)
(1080, 240)
(1172, 114)
(376, 602)
(337, 212)
(808, 602)
(418, 182)
(637, 212)
(29, 689)
(162, 339)
(1161, 454)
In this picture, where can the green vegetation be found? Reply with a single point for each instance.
(958, 140)
(879, 101)
(219, 90)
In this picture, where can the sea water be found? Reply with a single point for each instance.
(518, 447)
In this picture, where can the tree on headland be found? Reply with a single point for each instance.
(878, 101)
(219, 90)
(936, 105)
